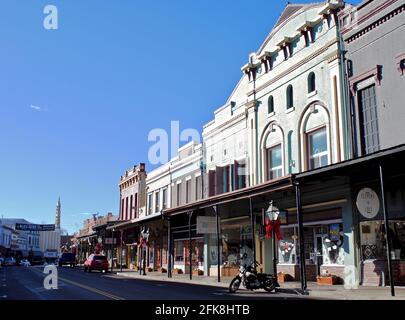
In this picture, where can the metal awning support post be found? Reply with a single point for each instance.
(169, 249)
(190, 215)
(218, 244)
(112, 250)
(387, 235)
(303, 276)
(121, 251)
(252, 226)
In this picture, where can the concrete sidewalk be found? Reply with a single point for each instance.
(337, 292)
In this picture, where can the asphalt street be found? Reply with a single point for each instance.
(27, 283)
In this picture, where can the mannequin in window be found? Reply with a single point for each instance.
(394, 241)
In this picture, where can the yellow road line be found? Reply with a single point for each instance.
(100, 292)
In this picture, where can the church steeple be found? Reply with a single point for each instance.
(57, 215)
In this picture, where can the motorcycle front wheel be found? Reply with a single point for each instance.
(234, 286)
(269, 287)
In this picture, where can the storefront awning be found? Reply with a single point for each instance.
(246, 193)
(134, 222)
(87, 236)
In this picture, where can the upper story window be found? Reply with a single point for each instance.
(274, 162)
(122, 208)
(150, 203)
(188, 191)
(317, 145)
(368, 119)
(131, 208)
(157, 202)
(178, 193)
(126, 208)
(135, 205)
(164, 199)
(198, 188)
(311, 82)
(270, 105)
(290, 97)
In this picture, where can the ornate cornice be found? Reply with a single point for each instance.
(376, 23)
(295, 66)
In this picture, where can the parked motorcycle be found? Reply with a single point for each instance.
(252, 280)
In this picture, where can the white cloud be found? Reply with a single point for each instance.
(36, 108)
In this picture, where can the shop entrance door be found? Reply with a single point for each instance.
(318, 250)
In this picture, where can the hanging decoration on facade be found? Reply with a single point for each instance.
(270, 225)
(273, 218)
(144, 238)
(99, 248)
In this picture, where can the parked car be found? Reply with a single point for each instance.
(25, 263)
(37, 258)
(10, 262)
(96, 262)
(67, 258)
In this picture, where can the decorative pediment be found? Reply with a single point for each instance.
(250, 69)
(330, 7)
(266, 59)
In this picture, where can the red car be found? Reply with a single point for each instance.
(96, 262)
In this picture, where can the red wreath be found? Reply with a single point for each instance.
(143, 242)
(269, 225)
(99, 248)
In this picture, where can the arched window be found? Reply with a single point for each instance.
(311, 82)
(270, 104)
(290, 97)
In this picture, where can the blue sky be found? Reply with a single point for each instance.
(77, 103)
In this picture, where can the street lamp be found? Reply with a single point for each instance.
(271, 220)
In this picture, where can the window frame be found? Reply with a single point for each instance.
(311, 82)
(188, 191)
(290, 97)
(157, 201)
(270, 104)
(164, 198)
(310, 133)
(150, 203)
(274, 169)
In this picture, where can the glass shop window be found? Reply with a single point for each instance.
(287, 246)
(236, 241)
(179, 251)
(373, 241)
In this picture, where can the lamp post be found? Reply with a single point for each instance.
(272, 213)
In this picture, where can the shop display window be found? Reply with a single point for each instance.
(323, 245)
(236, 241)
(287, 246)
(373, 240)
(332, 245)
(179, 251)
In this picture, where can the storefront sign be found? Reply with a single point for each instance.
(334, 232)
(34, 227)
(206, 225)
(368, 203)
(110, 240)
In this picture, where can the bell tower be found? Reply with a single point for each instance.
(57, 215)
